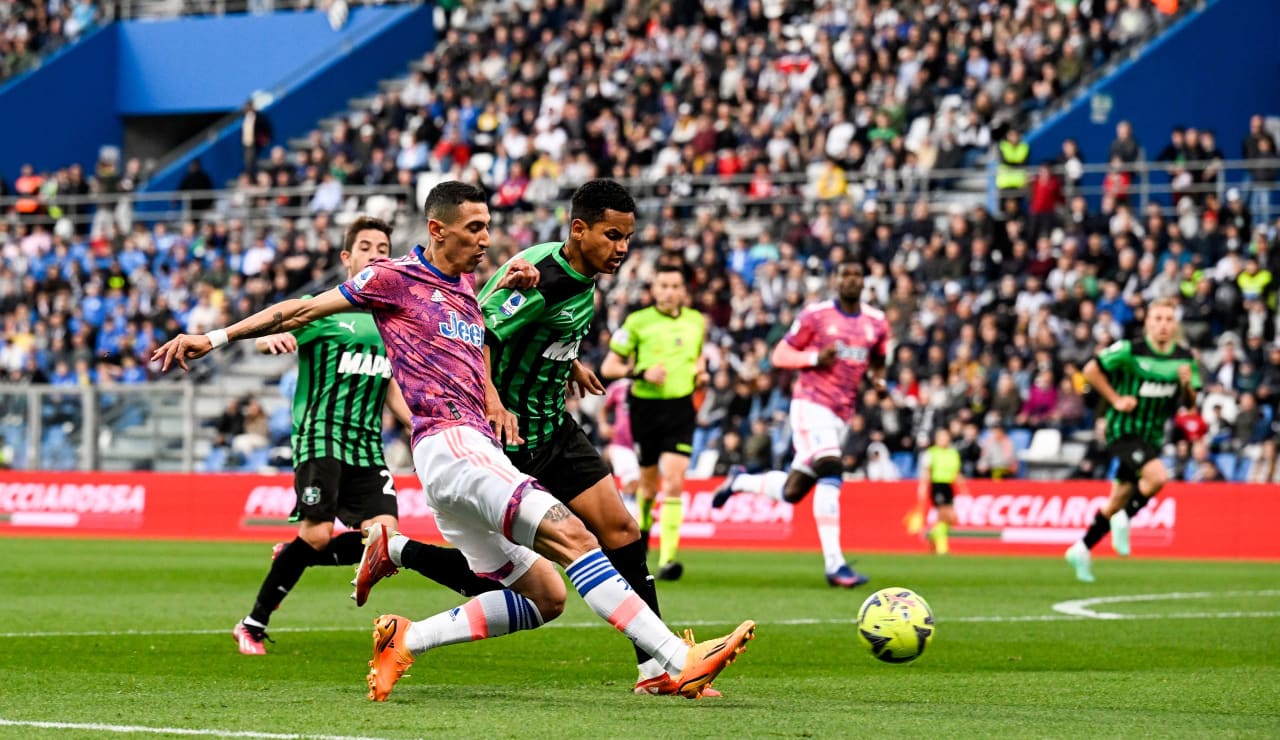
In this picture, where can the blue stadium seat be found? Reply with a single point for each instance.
(216, 462)
(256, 461)
(1021, 439)
(1226, 462)
(1243, 465)
(280, 425)
(906, 463)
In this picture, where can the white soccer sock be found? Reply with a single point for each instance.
(769, 484)
(826, 512)
(608, 595)
(395, 546)
(650, 669)
(491, 614)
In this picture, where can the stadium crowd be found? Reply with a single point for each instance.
(844, 108)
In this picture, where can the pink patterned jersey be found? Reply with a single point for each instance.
(615, 400)
(857, 338)
(434, 333)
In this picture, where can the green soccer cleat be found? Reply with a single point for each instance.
(1078, 557)
(1120, 532)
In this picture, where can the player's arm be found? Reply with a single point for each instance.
(795, 351)
(284, 316)
(1095, 372)
(276, 344)
(399, 407)
(583, 381)
(1189, 379)
(621, 360)
(504, 423)
(785, 355)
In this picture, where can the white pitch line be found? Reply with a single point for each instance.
(1081, 607)
(693, 623)
(134, 729)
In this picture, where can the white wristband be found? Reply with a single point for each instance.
(217, 337)
(814, 358)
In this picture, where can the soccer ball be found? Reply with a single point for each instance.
(895, 624)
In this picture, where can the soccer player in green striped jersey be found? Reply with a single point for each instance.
(1143, 384)
(344, 380)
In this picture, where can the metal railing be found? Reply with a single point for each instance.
(98, 427)
(729, 195)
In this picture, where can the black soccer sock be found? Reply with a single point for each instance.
(345, 549)
(629, 560)
(446, 566)
(1101, 525)
(1136, 502)
(285, 571)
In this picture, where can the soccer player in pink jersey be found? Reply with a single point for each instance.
(615, 428)
(833, 344)
(424, 305)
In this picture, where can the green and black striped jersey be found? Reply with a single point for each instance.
(1152, 378)
(533, 337)
(343, 374)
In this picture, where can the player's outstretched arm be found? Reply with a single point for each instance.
(282, 317)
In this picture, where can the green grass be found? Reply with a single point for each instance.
(138, 635)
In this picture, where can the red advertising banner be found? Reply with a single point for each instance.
(1012, 517)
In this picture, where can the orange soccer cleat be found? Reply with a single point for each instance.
(391, 658)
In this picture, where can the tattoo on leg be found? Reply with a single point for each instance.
(557, 513)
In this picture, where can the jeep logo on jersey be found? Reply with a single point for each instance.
(462, 331)
(1152, 389)
(363, 363)
(851, 354)
(513, 304)
(562, 351)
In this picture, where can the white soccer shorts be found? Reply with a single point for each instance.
(816, 432)
(625, 464)
(483, 505)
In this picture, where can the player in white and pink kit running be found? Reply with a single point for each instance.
(425, 307)
(615, 428)
(833, 344)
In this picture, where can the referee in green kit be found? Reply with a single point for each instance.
(660, 348)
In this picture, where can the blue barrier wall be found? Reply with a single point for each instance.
(66, 110)
(1209, 71)
(63, 112)
(197, 65)
(374, 52)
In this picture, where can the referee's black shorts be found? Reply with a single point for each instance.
(662, 425)
(566, 464)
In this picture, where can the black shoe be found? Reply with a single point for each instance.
(671, 571)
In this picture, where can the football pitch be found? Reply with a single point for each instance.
(101, 639)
